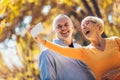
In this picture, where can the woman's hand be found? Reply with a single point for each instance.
(39, 39)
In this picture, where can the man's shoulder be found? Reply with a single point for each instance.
(45, 50)
(76, 45)
(47, 53)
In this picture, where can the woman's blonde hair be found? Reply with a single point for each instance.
(95, 20)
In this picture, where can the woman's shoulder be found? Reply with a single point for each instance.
(113, 38)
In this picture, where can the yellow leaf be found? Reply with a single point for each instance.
(23, 1)
(30, 1)
(37, 2)
(32, 66)
(36, 72)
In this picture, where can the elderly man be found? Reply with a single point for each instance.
(101, 52)
(57, 67)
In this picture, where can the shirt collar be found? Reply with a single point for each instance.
(60, 42)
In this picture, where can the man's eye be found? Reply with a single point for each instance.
(66, 24)
(59, 27)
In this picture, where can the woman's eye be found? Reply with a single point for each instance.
(87, 23)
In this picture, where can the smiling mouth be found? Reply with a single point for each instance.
(87, 32)
(65, 33)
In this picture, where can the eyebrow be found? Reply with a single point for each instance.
(66, 22)
(63, 24)
(59, 24)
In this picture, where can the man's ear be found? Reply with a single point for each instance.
(73, 27)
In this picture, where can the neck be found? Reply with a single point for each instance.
(98, 41)
(68, 41)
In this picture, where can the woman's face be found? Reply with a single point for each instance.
(89, 29)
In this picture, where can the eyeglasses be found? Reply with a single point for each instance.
(87, 22)
(93, 22)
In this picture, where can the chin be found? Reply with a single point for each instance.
(65, 37)
(87, 37)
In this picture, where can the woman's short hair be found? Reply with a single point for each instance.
(95, 20)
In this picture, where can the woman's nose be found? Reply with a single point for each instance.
(84, 26)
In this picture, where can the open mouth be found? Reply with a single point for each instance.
(87, 32)
(65, 33)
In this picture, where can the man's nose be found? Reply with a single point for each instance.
(63, 27)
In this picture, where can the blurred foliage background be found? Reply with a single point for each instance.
(19, 53)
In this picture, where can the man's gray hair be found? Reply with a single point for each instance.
(59, 17)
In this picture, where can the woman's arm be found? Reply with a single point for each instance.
(117, 39)
(69, 52)
(112, 75)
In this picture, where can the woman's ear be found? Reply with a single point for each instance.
(99, 27)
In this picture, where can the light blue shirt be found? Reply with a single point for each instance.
(54, 66)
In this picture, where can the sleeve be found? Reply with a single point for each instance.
(112, 75)
(76, 53)
(118, 41)
(47, 66)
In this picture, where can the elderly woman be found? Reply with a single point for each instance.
(102, 55)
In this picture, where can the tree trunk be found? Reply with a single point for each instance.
(87, 7)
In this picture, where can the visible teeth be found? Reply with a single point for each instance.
(65, 32)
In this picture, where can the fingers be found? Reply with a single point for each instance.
(31, 27)
(38, 38)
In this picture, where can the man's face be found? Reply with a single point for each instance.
(63, 28)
